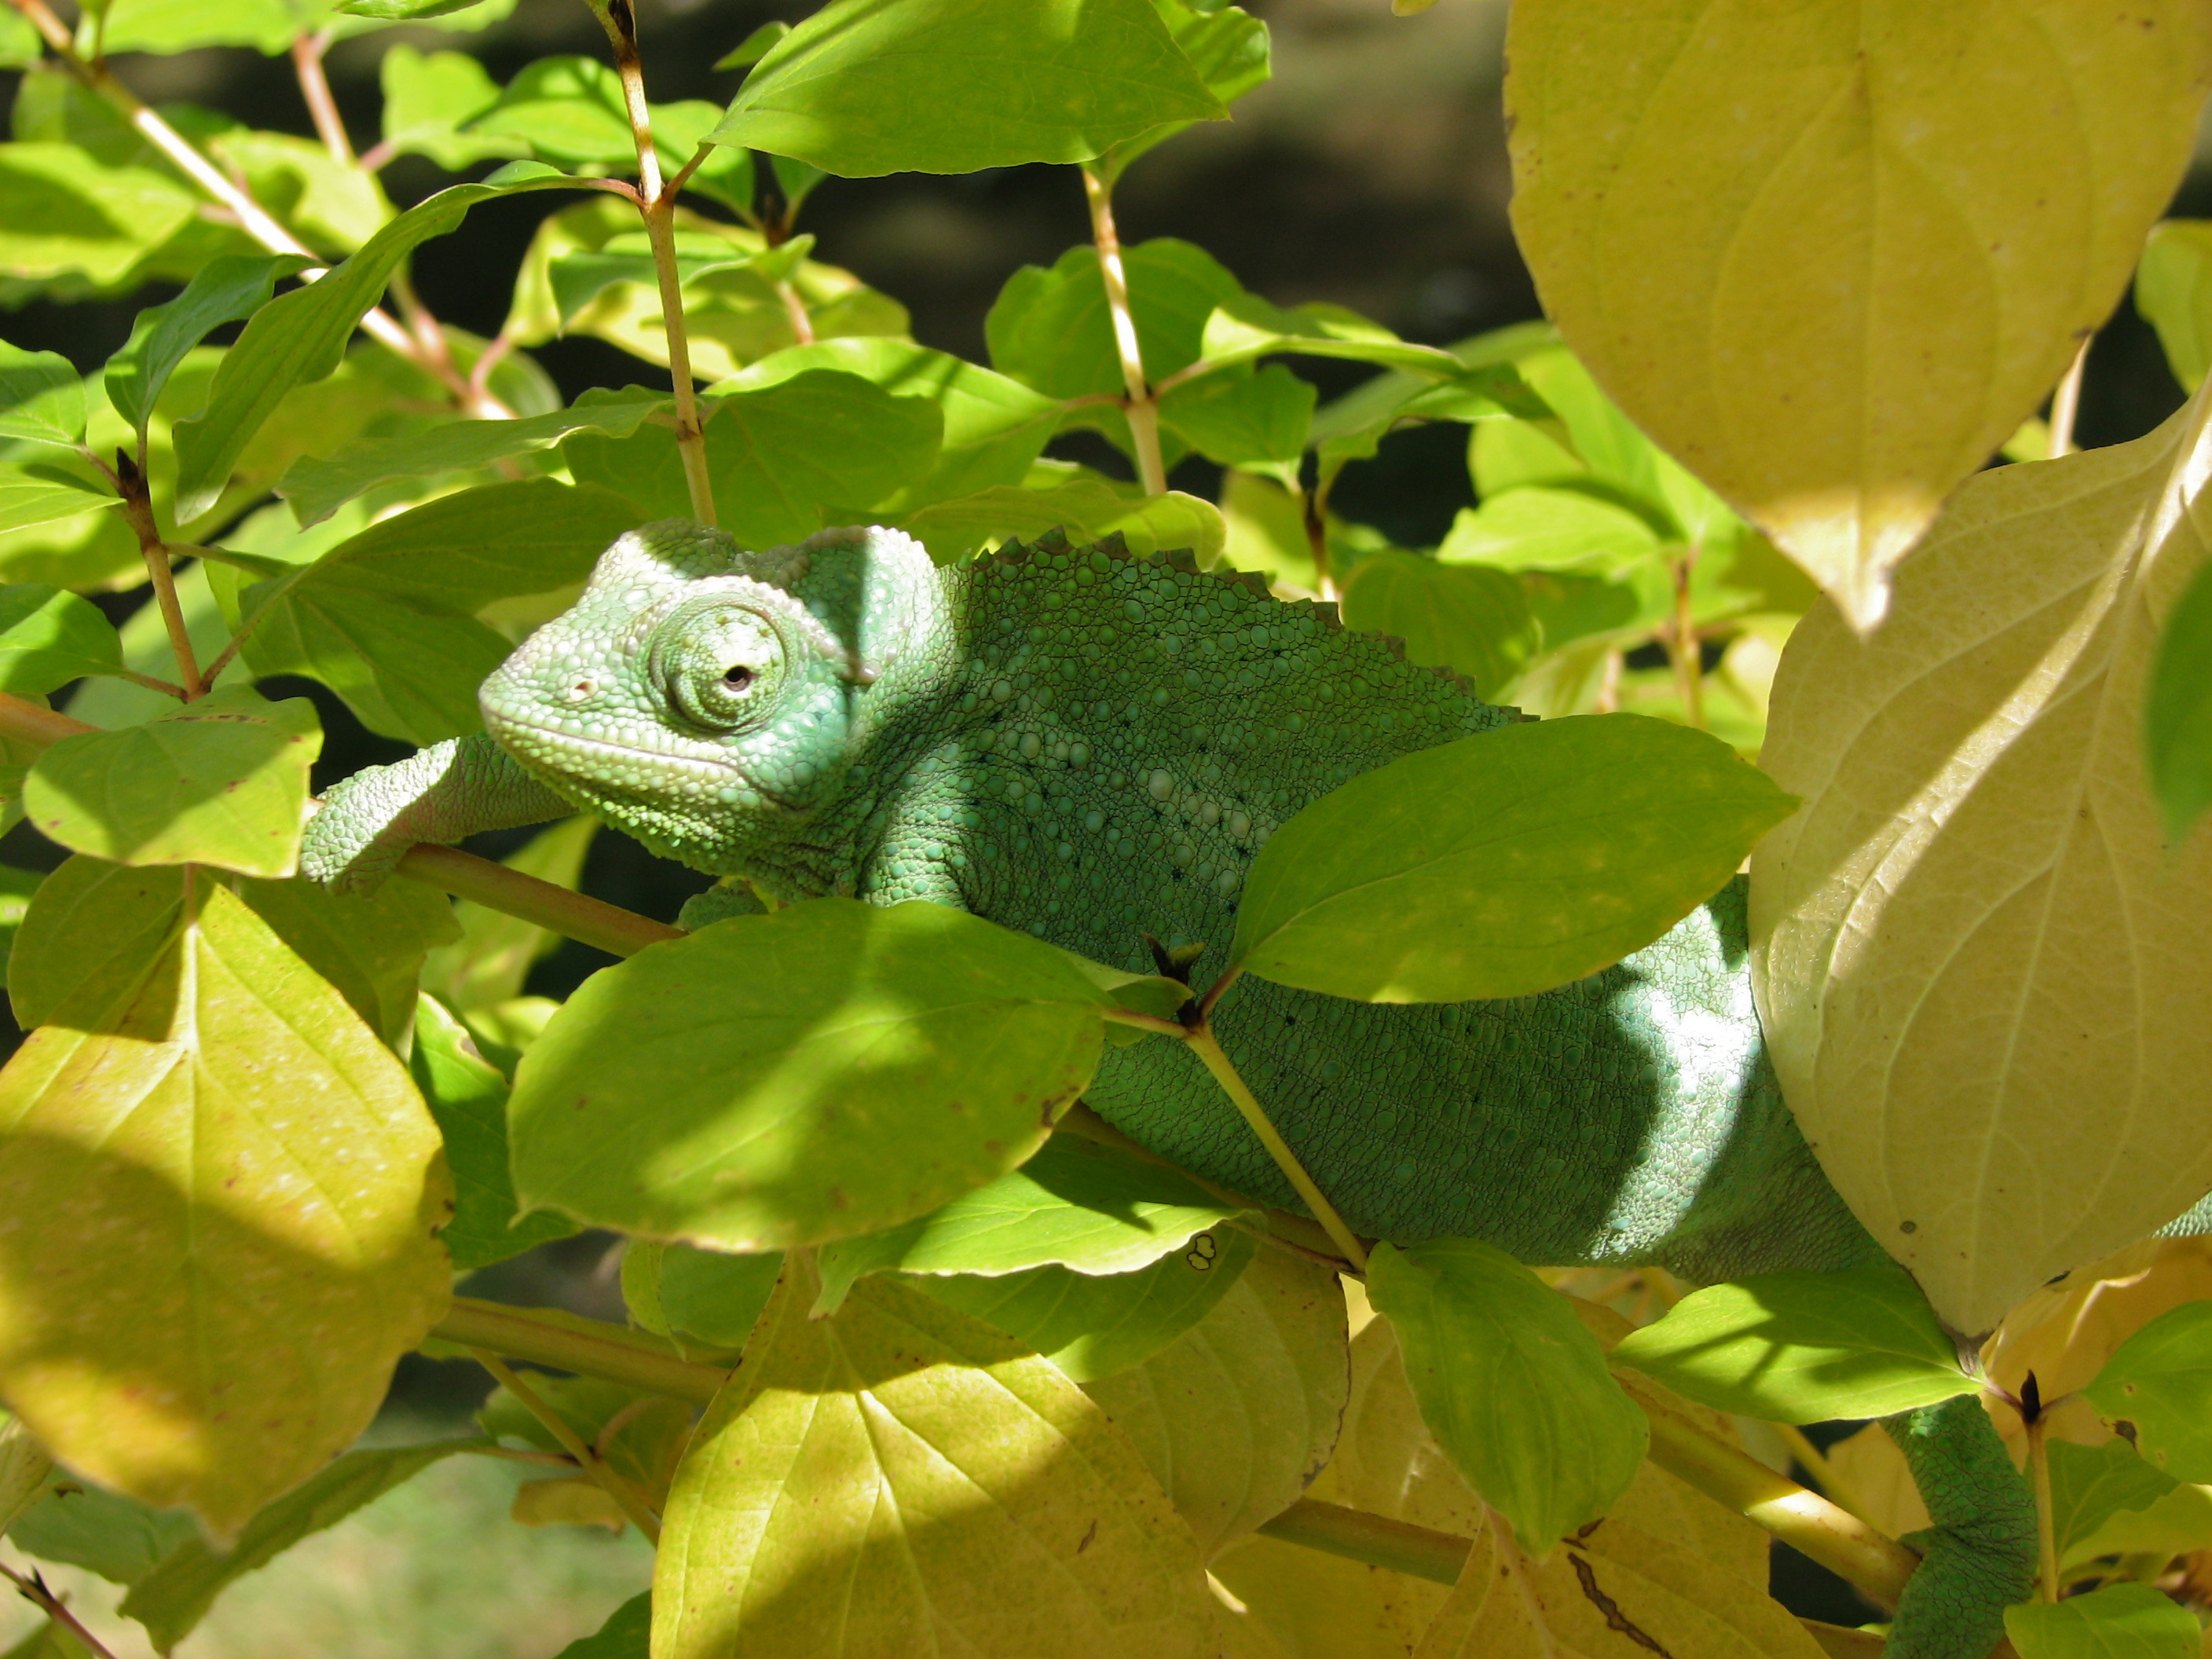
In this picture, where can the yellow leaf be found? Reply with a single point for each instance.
(910, 1479)
(1615, 1590)
(2065, 1331)
(1982, 972)
(1830, 255)
(1236, 1415)
(217, 1206)
(570, 1500)
(1873, 1483)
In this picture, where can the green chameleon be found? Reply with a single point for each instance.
(1094, 747)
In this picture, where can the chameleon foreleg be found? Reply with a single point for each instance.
(1979, 1558)
(444, 794)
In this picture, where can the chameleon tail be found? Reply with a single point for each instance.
(1979, 1558)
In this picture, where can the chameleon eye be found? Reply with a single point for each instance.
(717, 662)
(738, 676)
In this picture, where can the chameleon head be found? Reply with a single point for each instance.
(695, 686)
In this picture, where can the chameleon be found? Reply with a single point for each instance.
(1092, 747)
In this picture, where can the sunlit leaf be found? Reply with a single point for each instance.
(2160, 1381)
(568, 110)
(2173, 294)
(429, 96)
(1076, 1204)
(2177, 710)
(1977, 923)
(1226, 45)
(229, 287)
(49, 637)
(1085, 509)
(869, 87)
(1050, 327)
(1257, 422)
(1802, 1347)
(224, 1160)
(62, 211)
(221, 782)
(39, 494)
(1864, 246)
(1503, 864)
(911, 1474)
(831, 1069)
(41, 398)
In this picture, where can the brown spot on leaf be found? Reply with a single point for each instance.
(1615, 1619)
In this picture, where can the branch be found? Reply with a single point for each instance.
(593, 1466)
(35, 1592)
(609, 1351)
(308, 52)
(1143, 413)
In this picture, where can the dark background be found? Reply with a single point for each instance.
(1371, 171)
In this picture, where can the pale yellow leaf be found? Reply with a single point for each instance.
(901, 1478)
(1873, 1483)
(1618, 1589)
(1314, 1605)
(1982, 973)
(1830, 255)
(568, 1500)
(2065, 1331)
(24, 1467)
(1237, 1415)
(217, 1209)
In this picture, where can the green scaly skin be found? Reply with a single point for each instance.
(1092, 747)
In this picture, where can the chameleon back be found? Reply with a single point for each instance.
(1110, 744)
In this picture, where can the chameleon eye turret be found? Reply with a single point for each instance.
(718, 662)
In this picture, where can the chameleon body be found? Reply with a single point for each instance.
(1092, 747)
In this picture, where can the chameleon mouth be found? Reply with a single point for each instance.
(548, 749)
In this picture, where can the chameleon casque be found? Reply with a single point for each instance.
(1093, 747)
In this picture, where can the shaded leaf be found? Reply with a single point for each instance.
(1094, 1325)
(1256, 422)
(1515, 1390)
(2173, 294)
(86, 938)
(2093, 1486)
(1050, 328)
(117, 1537)
(370, 950)
(221, 782)
(864, 87)
(229, 1118)
(1803, 1348)
(1473, 620)
(952, 1486)
(625, 1636)
(2119, 1621)
(33, 495)
(785, 1079)
(228, 288)
(1874, 174)
(62, 211)
(2177, 710)
(715, 1298)
(172, 1598)
(1503, 864)
(1086, 509)
(41, 399)
(2160, 1380)
(1076, 1204)
(1975, 923)
(1237, 1415)
(487, 964)
(467, 1096)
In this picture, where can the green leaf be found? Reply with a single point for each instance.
(1255, 422)
(2120, 1621)
(49, 637)
(1228, 48)
(168, 26)
(1076, 1203)
(87, 937)
(2092, 1484)
(753, 47)
(171, 1599)
(229, 287)
(1237, 1415)
(1541, 528)
(772, 1081)
(995, 426)
(1088, 509)
(1513, 1389)
(2177, 710)
(429, 97)
(1504, 864)
(1243, 327)
(630, 1626)
(41, 398)
(221, 782)
(1802, 1347)
(44, 494)
(778, 455)
(579, 278)
(230, 1119)
(901, 1467)
(1473, 620)
(468, 1097)
(2173, 294)
(1093, 1326)
(715, 1296)
(487, 965)
(300, 337)
(864, 87)
(329, 205)
(568, 110)
(1051, 329)
(62, 212)
(318, 488)
(725, 175)
(404, 11)
(103, 1532)
(385, 618)
(2177, 1521)
(21, 48)
(2160, 1380)
(370, 950)
(17, 889)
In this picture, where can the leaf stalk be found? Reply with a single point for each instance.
(593, 1466)
(1143, 412)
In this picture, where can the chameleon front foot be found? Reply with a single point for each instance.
(1979, 1558)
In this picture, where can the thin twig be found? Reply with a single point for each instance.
(35, 1592)
(308, 52)
(588, 1460)
(153, 685)
(2066, 401)
(138, 510)
(1683, 646)
(1143, 413)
